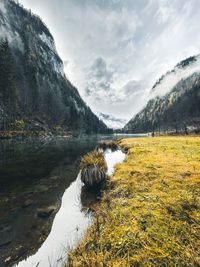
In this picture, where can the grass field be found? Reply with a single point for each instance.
(150, 216)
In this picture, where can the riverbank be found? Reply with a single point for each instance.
(150, 216)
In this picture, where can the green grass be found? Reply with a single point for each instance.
(151, 214)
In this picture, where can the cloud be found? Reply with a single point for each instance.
(132, 88)
(100, 81)
(116, 49)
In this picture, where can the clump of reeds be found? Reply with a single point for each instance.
(93, 168)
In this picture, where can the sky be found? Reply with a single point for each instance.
(115, 50)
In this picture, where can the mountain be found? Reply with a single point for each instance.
(174, 103)
(34, 92)
(111, 121)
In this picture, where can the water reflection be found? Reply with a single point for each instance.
(69, 224)
(34, 174)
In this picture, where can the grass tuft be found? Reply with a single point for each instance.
(93, 169)
(94, 158)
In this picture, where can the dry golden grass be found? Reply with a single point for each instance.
(151, 214)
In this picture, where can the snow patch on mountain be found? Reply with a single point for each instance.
(6, 32)
(2, 8)
(58, 67)
(50, 55)
(181, 71)
(48, 41)
(78, 108)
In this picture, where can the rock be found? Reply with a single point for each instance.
(55, 178)
(46, 212)
(30, 193)
(42, 188)
(6, 235)
(27, 203)
(7, 259)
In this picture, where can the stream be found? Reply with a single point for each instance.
(43, 211)
(69, 224)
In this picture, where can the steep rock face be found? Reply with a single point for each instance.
(175, 103)
(34, 92)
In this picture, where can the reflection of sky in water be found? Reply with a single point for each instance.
(112, 158)
(69, 224)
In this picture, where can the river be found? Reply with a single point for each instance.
(42, 208)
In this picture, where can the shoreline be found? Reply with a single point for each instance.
(150, 214)
(7, 135)
(15, 134)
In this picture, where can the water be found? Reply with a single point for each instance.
(69, 224)
(37, 174)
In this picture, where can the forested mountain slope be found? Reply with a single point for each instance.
(34, 92)
(174, 103)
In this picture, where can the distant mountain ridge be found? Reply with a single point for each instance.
(111, 121)
(174, 103)
(34, 92)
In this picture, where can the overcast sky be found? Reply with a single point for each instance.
(115, 50)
